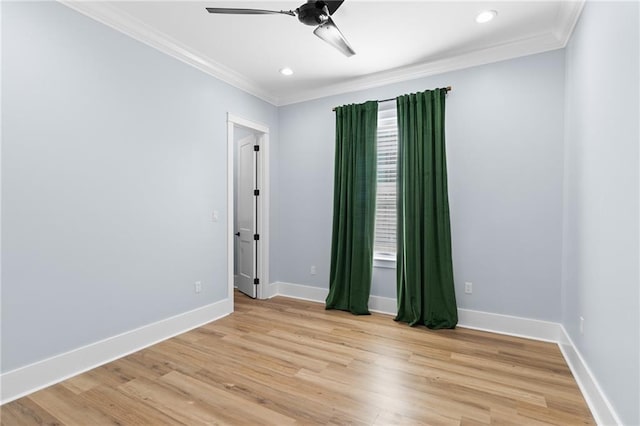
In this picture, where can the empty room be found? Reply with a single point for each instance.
(320, 212)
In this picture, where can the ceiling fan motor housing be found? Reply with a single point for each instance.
(313, 13)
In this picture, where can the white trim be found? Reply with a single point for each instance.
(523, 47)
(302, 292)
(263, 219)
(263, 199)
(272, 290)
(382, 261)
(115, 18)
(25, 380)
(602, 410)
(107, 14)
(243, 122)
(230, 208)
(1, 119)
(467, 318)
(510, 325)
(567, 19)
(382, 305)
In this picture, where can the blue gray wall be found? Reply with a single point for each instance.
(504, 132)
(601, 281)
(113, 159)
(114, 156)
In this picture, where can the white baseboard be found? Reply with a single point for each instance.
(25, 380)
(486, 321)
(602, 410)
(302, 292)
(510, 325)
(270, 290)
(528, 328)
(33, 377)
(382, 305)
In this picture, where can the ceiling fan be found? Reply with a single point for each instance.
(311, 13)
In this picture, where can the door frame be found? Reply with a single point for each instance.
(262, 137)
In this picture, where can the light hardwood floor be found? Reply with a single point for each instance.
(286, 361)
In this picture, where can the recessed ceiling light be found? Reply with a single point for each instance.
(286, 71)
(486, 16)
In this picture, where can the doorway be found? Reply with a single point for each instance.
(248, 206)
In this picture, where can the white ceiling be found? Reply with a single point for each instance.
(393, 40)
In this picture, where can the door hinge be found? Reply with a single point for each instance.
(256, 147)
(256, 281)
(256, 237)
(256, 192)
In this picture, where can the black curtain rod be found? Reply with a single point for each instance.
(448, 89)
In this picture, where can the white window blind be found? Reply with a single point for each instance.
(386, 217)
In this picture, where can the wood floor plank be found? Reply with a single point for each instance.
(286, 361)
(525, 372)
(236, 408)
(173, 403)
(392, 398)
(81, 383)
(124, 409)
(305, 394)
(415, 388)
(276, 398)
(69, 408)
(498, 377)
(448, 376)
(300, 349)
(25, 412)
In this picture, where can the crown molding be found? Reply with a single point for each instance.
(567, 19)
(106, 14)
(521, 47)
(556, 38)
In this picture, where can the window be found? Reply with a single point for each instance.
(386, 216)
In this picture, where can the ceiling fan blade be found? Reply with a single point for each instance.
(333, 5)
(233, 11)
(332, 35)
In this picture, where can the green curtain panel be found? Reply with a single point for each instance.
(424, 267)
(354, 204)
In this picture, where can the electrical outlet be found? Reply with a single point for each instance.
(313, 270)
(197, 287)
(468, 288)
(581, 325)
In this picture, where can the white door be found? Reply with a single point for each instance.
(246, 216)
